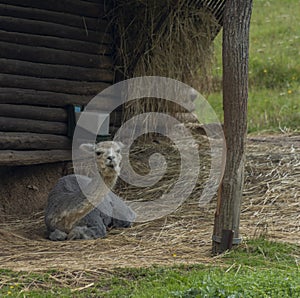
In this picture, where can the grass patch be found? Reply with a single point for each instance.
(268, 110)
(258, 268)
(274, 68)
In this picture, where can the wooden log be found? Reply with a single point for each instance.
(235, 54)
(78, 21)
(33, 112)
(95, 1)
(53, 56)
(49, 29)
(76, 7)
(58, 43)
(22, 158)
(30, 141)
(43, 98)
(28, 125)
(17, 67)
(55, 85)
(53, 99)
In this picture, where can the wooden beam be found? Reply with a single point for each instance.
(59, 43)
(235, 95)
(76, 7)
(57, 17)
(43, 98)
(54, 85)
(53, 56)
(33, 112)
(49, 29)
(53, 71)
(33, 141)
(37, 126)
(23, 158)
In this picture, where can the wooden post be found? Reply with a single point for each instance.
(236, 25)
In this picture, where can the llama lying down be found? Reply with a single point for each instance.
(71, 213)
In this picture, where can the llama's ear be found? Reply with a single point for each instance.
(90, 148)
(121, 145)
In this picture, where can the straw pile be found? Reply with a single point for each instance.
(171, 38)
(271, 207)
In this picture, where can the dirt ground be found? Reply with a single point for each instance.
(271, 207)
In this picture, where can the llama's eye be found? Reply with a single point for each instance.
(98, 153)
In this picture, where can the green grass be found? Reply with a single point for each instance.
(274, 68)
(258, 268)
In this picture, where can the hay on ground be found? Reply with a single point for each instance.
(271, 207)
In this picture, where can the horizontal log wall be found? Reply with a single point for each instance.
(65, 44)
(46, 98)
(65, 72)
(78, 21)
(28, 125)
(33, 141)
(23, 158)
(53, 53)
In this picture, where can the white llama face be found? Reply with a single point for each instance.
(107, 154)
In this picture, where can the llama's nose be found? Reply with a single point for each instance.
(110, 157)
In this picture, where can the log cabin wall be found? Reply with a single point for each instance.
(52, 53)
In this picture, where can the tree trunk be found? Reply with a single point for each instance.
(237, 16)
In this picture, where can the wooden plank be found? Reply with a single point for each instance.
(78, 21)
(40, 70)
(53, 56)
(58, 43)
(46, 98)
(54, 85)
(76, 7)
(34, 112)
(30, 141)
(50, 29)
(27, 125)
(22, 158)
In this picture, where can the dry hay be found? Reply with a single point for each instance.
(271, 207)
(164, 38)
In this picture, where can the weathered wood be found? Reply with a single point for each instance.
(235, 94)
(76, 7)
(22, 158)
(76, 73)
(55, 85)
(53, 56)
(28, 125)
(59, 43)
(78, 21)
(43, 98)
(97, 1)
(51, 29)
(46, 98)
(33, 141)
(33, 112)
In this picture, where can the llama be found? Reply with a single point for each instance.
(71, 213)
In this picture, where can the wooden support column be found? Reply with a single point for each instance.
(236, 25)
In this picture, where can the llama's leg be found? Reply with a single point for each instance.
(58, 235)
(84, 232)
